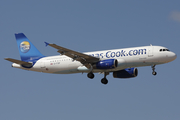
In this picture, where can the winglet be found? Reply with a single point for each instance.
(46, 43)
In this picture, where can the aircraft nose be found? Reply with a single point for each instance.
(173, 56)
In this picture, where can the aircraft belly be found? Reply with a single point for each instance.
(65, 68)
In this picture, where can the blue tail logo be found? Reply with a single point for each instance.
(27, 50)
(25, 46)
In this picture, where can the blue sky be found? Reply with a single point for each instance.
(84, 25)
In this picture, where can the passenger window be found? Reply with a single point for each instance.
(164, 49)
(160, 50)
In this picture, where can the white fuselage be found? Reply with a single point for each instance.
(127, 58)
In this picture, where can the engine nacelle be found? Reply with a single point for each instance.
(126, 73)
(106, 64)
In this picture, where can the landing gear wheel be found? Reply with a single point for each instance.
(104, 81)
(90, 75)
(153, 68)
(154, 73)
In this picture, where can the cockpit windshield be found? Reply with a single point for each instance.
(164, 50)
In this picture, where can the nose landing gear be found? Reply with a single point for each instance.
(153, 68)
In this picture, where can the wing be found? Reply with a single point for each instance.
(86, 60)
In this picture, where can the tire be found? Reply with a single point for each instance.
(154, 73)
(104, 81)
(90, 75)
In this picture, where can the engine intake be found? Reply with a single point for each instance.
(106, 64)
(126, 73)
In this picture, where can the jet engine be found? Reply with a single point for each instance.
(106, 64)
(126, 73)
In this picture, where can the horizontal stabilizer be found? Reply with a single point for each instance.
(19, 62)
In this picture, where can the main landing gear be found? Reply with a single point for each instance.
(103, 80)
(90, 75)
(153, 68)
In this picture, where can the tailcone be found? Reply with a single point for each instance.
(16, 65)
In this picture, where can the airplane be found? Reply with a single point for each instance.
(121, 62)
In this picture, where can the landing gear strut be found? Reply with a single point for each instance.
(90, 74)
(104, 80)
(153, 68)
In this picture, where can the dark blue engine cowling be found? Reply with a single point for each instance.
(107, 64)
(126, 73)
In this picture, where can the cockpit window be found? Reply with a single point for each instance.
(163, 50)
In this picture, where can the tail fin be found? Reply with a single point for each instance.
(27, 50)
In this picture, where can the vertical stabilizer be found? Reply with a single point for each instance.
(27, 50)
